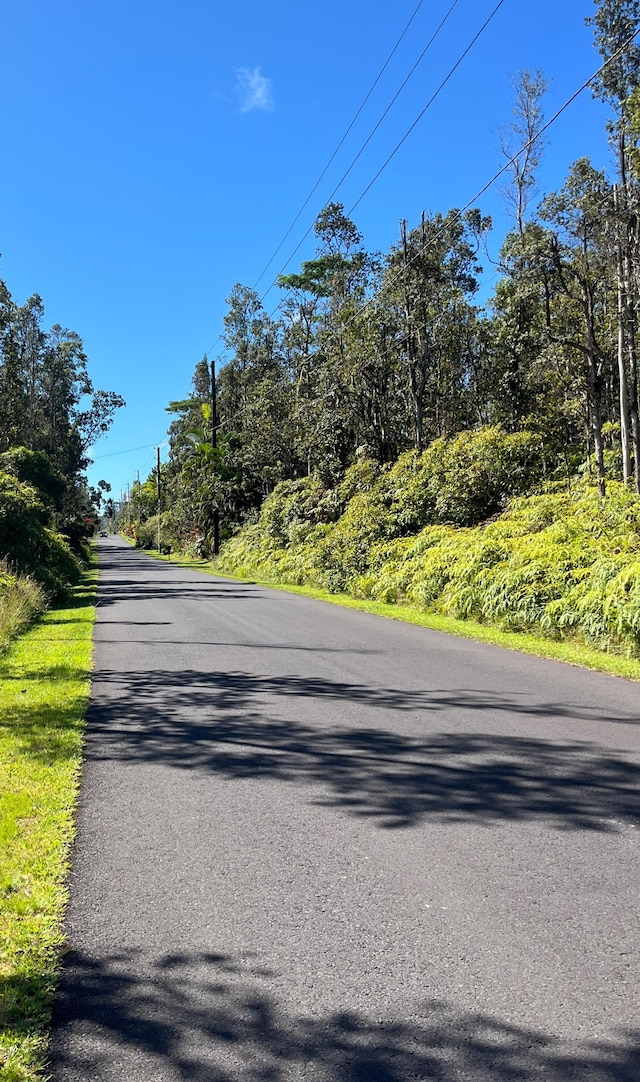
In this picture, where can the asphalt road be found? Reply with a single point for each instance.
(315, 844)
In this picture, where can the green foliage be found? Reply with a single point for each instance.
(21, 600)
(463, 480)
(146, 534)
(35, 469)
(295, 507)
(50, 415)
(557, 563)
(27, 544)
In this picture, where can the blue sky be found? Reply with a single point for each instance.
(154, 154)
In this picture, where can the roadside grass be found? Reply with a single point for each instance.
(44, 692)
(21, 601)
(570, 651)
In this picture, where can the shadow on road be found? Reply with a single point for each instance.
(210, 1018)
(174, 590)
(129, 575)
(228, 724)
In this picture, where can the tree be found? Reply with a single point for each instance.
(576, 312)
(431, 276)
(615, 25)
(521, 143)
(48, 404)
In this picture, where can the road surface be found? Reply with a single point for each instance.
(319, 845)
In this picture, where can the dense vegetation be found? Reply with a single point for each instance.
(381, 425)
(50, 415)
(559, 563)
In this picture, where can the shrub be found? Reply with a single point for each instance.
(34, 468)
(295, 506)
(21, 600)
(27, 544)
(463, 481)
(146, 534)
(562, 564)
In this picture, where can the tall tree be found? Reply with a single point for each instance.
(577, 310)
(330, 291)
(615, 25)
(522, 144)
(432, 274)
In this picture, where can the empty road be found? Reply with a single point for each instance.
(319, 845)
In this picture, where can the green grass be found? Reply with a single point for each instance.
(44, 692)
(21, 601)
(570, 652)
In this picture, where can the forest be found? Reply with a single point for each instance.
(385, 433)
(50, 416)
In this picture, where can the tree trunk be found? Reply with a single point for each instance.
(596, 418)
(417, 380)
(622, 370)
(630, 294)
(633, 401)
(593, 385)
(633, 360)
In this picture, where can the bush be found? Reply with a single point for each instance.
(146, 535)
(21, 600)
(294, 507)
(463, 481)
(34, 468)
(27, 545)
(556, 563)
(559, 565)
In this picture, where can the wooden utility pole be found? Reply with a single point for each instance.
(214, 443)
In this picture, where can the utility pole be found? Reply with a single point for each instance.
(138, 494)
(159, 494)
(214, 443)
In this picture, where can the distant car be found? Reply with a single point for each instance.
(103, 533)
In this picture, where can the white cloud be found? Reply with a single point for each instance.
(254, 90)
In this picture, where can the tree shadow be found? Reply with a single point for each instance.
(125, 576)
(47, 731)
(210, 1017)
(175, 590)
(295, 646)
(229, 724)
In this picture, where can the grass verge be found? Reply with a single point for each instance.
(44, 692)
(571, 652)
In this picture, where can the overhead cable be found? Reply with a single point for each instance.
(341, 144)
(496, 176)
(371, 135)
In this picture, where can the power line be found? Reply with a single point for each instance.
(420, 115)
(530, 142)
(441, 87)
(495, 177)
(347, 132)
(339, 147)
(538, 135)
(129, 450)
(369, 137)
